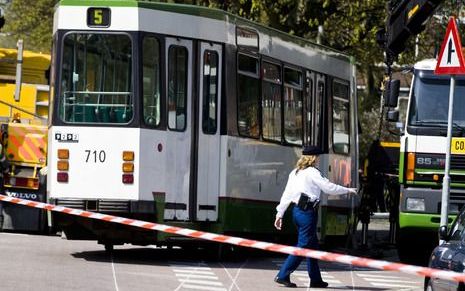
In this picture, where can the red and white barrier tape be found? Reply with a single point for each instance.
(320, 255)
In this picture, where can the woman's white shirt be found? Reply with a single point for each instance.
(309, 182)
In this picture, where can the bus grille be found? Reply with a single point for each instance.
(71, 203)
(96, 205)
(457, 196)
(113, 205)
(457, 162)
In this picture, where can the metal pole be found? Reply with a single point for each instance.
(19, 68)
(446, 179)
(364, 234)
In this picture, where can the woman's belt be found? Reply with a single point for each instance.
(305, 202)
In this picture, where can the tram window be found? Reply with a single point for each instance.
(177, 88)
(247, 95)
(341, 121)
(293, 106)
(271, 101)
(308, 110)
(52, 78)
(151, 81)
(96, 78)
(210, 92)
(317, 132)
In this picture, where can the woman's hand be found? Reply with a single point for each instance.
(353, 190)
(278, 223)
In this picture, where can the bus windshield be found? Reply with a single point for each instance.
(96, 78)
(430, 101)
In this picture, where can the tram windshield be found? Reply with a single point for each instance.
(96, 78)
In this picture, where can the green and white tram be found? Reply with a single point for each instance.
(192, 117)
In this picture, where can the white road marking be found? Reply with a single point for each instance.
(392, 285)
(378, 276)
(233, 280)
(13, 234)
(201, 282)
(388, 281)
(114, 272)
(199, 277)
(189, 286)
(193, 272)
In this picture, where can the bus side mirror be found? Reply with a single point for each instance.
(391, 93)
(443, 235)
(392, 116)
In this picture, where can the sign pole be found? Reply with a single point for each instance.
(450, 62)
(446, 178)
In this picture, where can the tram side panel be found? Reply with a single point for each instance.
(255, 176)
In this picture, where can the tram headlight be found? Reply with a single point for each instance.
(128, 156)
(128, 167)
(415, 204)
(63, 154)
(63, 165)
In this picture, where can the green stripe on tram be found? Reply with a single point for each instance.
(97, 3)
(255, 219)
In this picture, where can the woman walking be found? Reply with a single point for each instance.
(303, 189)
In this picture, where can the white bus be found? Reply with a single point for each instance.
(192, 117)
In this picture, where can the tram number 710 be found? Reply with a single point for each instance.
(95, 156)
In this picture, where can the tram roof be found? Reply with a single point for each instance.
(206, 12)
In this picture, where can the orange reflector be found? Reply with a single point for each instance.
(62, 177)
(63, 165)
(435, 177)
(410, 174)
(128, 167)
(128, 156)
(32, 183)
(63, 154)
(128, 178)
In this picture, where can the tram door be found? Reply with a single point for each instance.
(208, 170)
(179, 128)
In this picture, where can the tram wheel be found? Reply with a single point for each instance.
(109, 248)
(428, 285)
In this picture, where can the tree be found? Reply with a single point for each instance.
(31, 21)
(349, 26)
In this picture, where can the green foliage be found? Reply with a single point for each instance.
(31, 21)
(349, 26)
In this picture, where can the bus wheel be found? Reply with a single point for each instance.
(109, 248)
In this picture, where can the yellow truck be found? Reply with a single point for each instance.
(24, 95)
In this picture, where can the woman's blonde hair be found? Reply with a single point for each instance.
(305, 161)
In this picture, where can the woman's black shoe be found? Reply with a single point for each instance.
(286, 283)
(321, 284)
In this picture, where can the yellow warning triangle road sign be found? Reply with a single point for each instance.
(450, 60)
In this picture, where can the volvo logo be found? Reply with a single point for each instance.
(28, 196)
